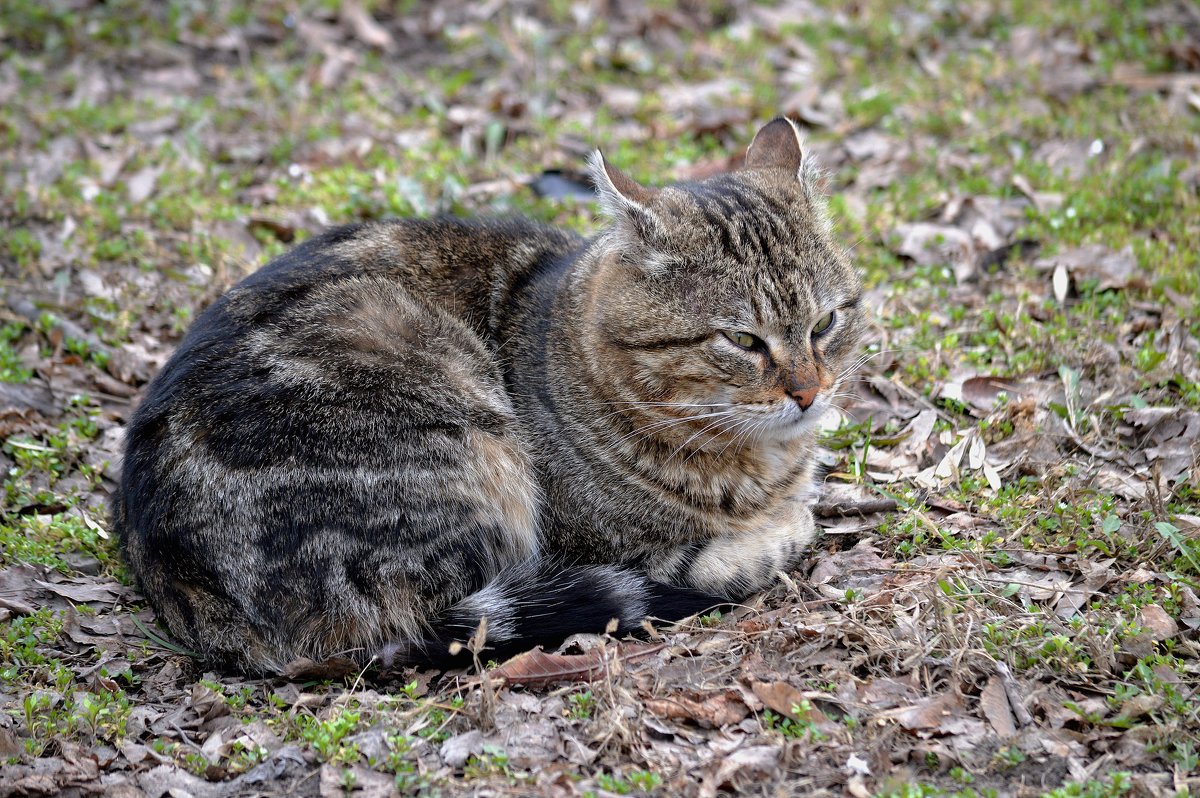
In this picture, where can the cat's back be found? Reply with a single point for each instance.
(356, 298)
(303, 445)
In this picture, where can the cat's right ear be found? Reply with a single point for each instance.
(623, 199)
(776, 146)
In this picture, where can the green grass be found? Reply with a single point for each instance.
(633, 782)
(11, 367)
(1114, 786)
(798, 727)
(938, 78)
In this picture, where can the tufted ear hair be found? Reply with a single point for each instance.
(620, 194)
(776, 146)
(627, 202)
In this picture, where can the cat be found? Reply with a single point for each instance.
(399, 428)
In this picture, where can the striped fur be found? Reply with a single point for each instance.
(399, 428)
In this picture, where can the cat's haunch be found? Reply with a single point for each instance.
(399, 428)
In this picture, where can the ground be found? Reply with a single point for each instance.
(1006, 599)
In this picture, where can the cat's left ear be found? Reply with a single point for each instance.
(620, 195)
(776, 146)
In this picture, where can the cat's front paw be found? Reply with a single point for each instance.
(744, 562)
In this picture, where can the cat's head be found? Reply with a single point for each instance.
(726, 300)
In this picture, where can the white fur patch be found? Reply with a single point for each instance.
(496, 605)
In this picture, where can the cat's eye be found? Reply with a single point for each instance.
(823, 324)
(745, 340)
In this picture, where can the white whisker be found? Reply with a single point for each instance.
(683, 445)
(668, 404)
(664, 424)
(744, 434)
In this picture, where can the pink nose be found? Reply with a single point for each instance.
(805, 396)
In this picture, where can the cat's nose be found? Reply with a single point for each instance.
(805, 396)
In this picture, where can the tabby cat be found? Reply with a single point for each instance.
(399, 428)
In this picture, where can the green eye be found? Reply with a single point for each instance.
(743, 339)
(823, 323)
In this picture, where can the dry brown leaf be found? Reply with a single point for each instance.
(1174, 459)
(1173, 432)
(335, 67)
(1140, 706)
(931, 713)
(860, 568)
(141, 184)
(456, 750)
(983, 392)
(108, 162)
(21, 399)
(760, 622)
(756, 764)
(1155, 620)
(73, 629)
(170, 779)
(365, 28)
(993, 703)
(1070, 157)
(1042, 200)
(1133, 76)
(537, 667)
(1096, 574)
(699, 97)
(57, 775)
(302, 668)
(871, 144)
(23, 589)
(1066, 81)
(209, 704)
(1094, 263)
(707, 711)
(780, 697)
(857, 787)
(936, 245)
(919, 431)
(10, 746)
(886, 692)
(1033, 586)
(84, 592)
(367, 783)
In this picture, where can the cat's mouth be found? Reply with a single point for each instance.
(790, 419)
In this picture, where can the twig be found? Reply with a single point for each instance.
(1037, 586)
(1013, 691)
(183, 735)
(358, 678)
(487, 691)
(838, 508)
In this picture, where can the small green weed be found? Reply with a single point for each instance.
(580, 706)
(493, 762)
(327, 736)
(11, 367)
(629, 783)
(800, 727)
(1116, 785)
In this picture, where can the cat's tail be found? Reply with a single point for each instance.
(541, 602)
